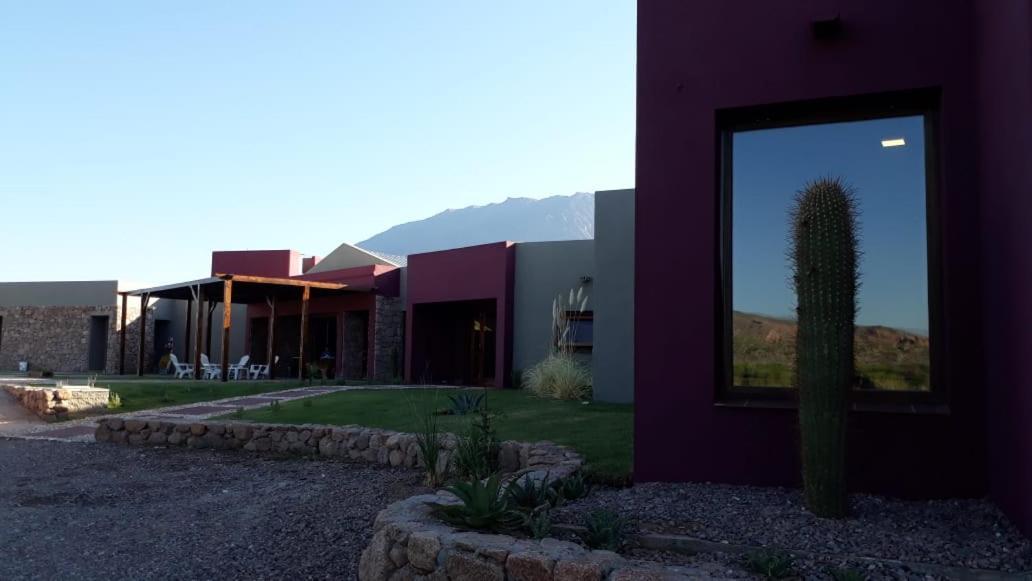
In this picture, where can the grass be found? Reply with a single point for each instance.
(144, 395)
(603, 433)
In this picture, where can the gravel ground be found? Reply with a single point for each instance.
(88, 511)
(968, 533)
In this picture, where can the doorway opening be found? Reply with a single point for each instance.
(454, 343)
(97, 358)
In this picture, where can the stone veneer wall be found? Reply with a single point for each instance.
(388, 339)
(346, 442)
(50, 402)
(57, 338)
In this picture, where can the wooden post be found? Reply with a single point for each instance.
(227, 315)
(200, 328)
(305, 294)
(121, 335)
(189, 316)
(207, 328)
(270, 357)
(143, 334)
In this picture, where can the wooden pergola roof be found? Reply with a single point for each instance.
(230, 289)
(247, 289)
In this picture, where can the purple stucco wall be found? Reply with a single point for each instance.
(1005, 165)
(698, 58)
(464, 274)
(274, 263)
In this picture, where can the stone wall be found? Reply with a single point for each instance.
(410, 544)
(52, 402)
(388, 339)
(346, 442)
(57, 338)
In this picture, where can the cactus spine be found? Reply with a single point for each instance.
(825, 258)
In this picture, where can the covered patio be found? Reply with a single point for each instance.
(203, 295)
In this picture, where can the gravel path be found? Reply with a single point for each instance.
(77, 511)
(969, 533)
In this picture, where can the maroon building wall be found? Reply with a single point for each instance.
(698, 58)
(464, 274)
(1005, 166)
(274, 263)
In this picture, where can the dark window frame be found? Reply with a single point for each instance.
(582, 316)
(922, 102)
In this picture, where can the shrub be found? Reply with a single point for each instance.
(572, 487)
(539, 523)
(825, 254)
(275, 406)
(772, 564)
(530, 495)
(606, 530)
(114, 401)
(560, 377)
(484, 507)
(465, 402)
(428, 439)
(476, 453)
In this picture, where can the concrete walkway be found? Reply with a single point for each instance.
(23, 424)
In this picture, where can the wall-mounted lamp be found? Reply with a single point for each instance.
(827, 28)
(894, 142)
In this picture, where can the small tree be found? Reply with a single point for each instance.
(825, 257)
(562, 308)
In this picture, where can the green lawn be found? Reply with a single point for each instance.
(603, 433)
(151, 394)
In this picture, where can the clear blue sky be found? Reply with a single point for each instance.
(771, 165)
(135, 137)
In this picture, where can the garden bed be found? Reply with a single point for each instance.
(883, 537)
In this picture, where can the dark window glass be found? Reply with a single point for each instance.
(884, 161)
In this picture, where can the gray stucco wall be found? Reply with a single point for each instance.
(93, 293)
(175, 312)
(613, 361)
(543, 270)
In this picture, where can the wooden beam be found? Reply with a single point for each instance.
(305, 294)
(186, 340)
(270, 356)
(143, 334)
(121, 335)
(200, 327)
(207, 328)
(227, 316)
(282, 281)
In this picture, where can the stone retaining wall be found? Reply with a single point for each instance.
(409, 544)
(346, 442)
(51, 402)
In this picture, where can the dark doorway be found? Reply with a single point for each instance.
(162, 340)
(97, 359)
(259, 347)
(454, 343)
(355, 351)
(322, 344)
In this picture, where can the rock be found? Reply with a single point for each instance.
(404, 574)
(398, 555)
(327, 447)
(157, 438)
(176, 438)
(466, 567)
(196, 442)
(529, 567)
(397, 457)
(509, 457)
(135, 425)
(217, 429)
(136, 439)
(422, 550)
(578, 571)
(242, 432)
(362, 441)
(375, 563)
(114, 424)
(102, 433)
(198, 429)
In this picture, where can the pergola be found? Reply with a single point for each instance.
(227, 289)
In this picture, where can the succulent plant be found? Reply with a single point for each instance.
(825, 257)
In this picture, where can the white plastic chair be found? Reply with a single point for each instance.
(211, 370)
(236, 369)
(181, 370)
(261, 371)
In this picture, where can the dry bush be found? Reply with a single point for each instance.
(559, 377)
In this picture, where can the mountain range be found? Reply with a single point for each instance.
(515, 219)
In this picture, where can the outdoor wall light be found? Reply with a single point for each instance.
(894, 142)
(827, 28)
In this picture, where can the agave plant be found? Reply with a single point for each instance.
(465, 402)
(529, 495)
(484, 507)
(570, 488)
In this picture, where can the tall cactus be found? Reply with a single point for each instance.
(824, 257)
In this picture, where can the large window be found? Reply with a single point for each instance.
(885, 161)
